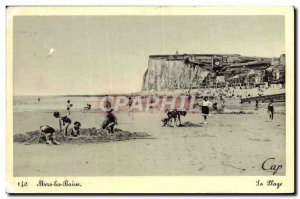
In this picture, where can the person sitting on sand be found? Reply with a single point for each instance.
(65, 120)
(110, 121)
(48, 134)
(271, 110)
(75, 131)
(88, 107)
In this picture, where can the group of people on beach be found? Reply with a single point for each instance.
(48, 132)
(174, 115)
(227, 92)
(111, 120)
(206, 105)
(65, 121)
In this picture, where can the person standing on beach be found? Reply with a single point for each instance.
(223, 103)
(271, 110)
(65, 121)
(151, 104)
(205, 105)
(107, 104)
(69, 105)
(256, 104)
(130, 108)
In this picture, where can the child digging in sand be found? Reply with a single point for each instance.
(175, 114)
(48, 134)
(66, 121)
(110, 121)
(75, 131)
(168, 119)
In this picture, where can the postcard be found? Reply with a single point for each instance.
(175, 100)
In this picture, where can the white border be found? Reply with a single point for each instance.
(89, 2)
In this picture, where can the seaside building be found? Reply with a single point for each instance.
(186, 71)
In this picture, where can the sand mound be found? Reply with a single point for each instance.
(88, 135)
(234, 112)
(189, 124)
(185, 124)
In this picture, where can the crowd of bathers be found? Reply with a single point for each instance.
(172, 116)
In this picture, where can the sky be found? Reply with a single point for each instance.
(109, 54)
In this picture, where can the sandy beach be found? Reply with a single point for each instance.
(231, 144)
(113, 100)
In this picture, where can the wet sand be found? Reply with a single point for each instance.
(231, 144)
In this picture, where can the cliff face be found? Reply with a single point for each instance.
(165, 74)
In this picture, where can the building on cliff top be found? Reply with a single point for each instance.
(186, 71)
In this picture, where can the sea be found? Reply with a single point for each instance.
(53, 103)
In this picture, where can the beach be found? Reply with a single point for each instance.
(229, 145)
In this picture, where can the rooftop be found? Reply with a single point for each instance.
(210, 55)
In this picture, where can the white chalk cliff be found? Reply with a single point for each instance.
(163, 74)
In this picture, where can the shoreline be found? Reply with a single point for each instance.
(162, 92)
